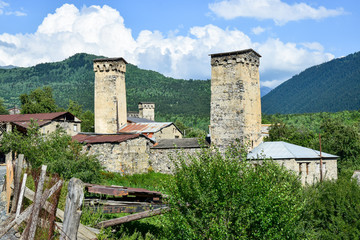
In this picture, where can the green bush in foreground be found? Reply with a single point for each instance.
(56, 150)
(215, 196)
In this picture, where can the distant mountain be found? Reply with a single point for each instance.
(264, 90)
(330, 87)
(7, 67)
(73, 79)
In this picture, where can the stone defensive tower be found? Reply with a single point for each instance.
(235, 98)
(110, 95)
(147, 110)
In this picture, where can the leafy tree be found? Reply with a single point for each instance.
(38, 101)
(223, 196)
(343, 141)
(332, 210)
(282, 132)
(87, 118)
(56, 150)
(3, 109)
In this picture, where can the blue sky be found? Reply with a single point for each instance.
(175, 37)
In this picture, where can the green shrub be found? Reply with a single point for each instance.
(333, 210)
(216, 196)
(56, 150)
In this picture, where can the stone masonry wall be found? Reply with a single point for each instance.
(309, 170)
(235, 99)
(127, 157)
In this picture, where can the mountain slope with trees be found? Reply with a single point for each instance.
(330, 87)
(73, 79)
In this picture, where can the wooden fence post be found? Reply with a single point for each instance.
(17, 178)
(72, 213)
(37, 203)
(9, 180)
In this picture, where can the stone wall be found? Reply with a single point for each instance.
(71, 128)
(127, 157)
(110, 95)
(235, 98)
(309, 170)
(169, 132)
(161, 160)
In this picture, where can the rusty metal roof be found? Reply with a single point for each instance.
(148, 127)
(24, 120)
(104, 138)
(28, 117)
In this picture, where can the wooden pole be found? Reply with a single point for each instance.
(21, 196)
(9, 180)
(72, 212)
(321, 163)
(17, 179)
(37, 203)
(132, 217)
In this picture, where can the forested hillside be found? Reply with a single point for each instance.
(73, 79)
(329, 87)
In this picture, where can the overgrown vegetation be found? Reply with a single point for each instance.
(56, 150)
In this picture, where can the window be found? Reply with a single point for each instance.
(318, 168)
(75, 127)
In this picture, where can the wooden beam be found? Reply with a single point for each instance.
(132, 217)
(73, 204)
(21, 195)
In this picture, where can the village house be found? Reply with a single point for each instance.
(301, 160)
(47, 122)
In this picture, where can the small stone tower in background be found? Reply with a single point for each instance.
(147, 110)
(235, 98)
(110, 95)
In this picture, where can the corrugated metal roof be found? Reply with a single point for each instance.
(28, 117)
(284, 150)
(104, 138)
(138, 120)
(150, 127)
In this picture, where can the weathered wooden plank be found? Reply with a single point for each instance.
(72, 216)
(17, 181)
(9, 180)
(37, 203)
(21, 195)
(129, 208)
(132, 217)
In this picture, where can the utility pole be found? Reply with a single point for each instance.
(321, 164)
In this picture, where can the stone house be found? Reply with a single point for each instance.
(301, 160)
(135, 153)
(153, 130)
(48, 122)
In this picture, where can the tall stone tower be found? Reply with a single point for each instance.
(110, 95)
(235, 98)
(147, 110)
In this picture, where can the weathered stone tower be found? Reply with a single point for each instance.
(110, 95)
(147, 110)
(235, 98)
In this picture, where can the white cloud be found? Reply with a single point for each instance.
(102, 31)
(4, 5)
(273, 83)
(258, 30)
(276, 10)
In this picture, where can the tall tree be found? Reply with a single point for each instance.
(38, 101)
(2, 107)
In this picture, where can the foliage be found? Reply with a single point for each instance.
(56, 150)
(332, 86)
(215, 196)
(151, 181)
(87, 118)
(332, 210)
(339, 134)
(38, 101)
(282, 132)
(3, 109)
